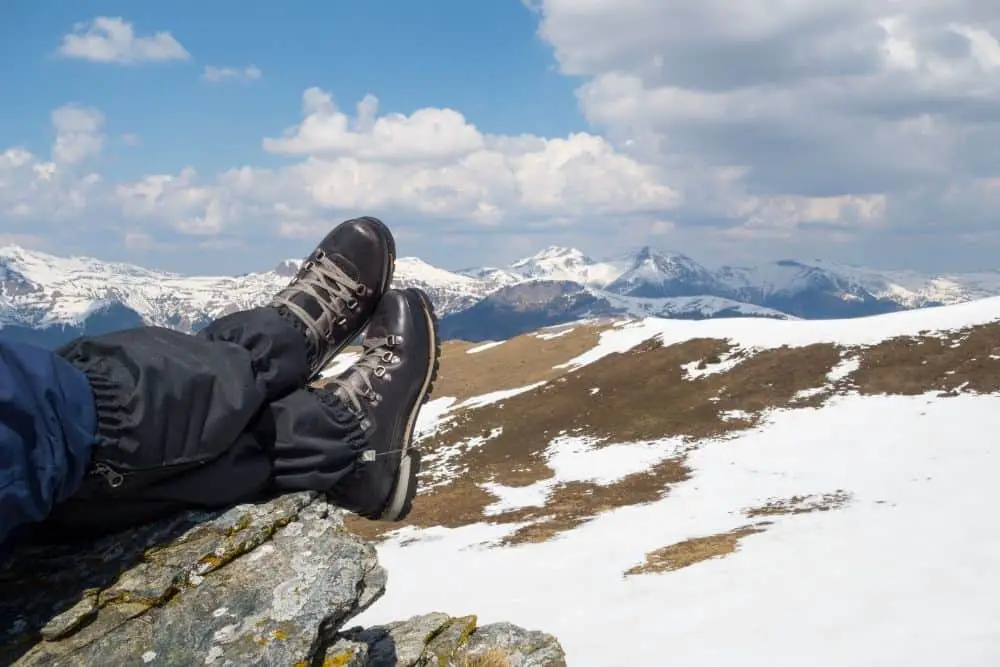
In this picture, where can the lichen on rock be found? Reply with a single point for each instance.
(260, 584)
(438, 640)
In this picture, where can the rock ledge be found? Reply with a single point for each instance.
(266, 584)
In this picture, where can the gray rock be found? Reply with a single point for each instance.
(437, 640)
(524, 648)
(264, 584)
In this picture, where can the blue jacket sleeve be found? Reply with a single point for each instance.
(47, 429)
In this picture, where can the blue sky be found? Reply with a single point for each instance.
(857, 134)
(482, 58)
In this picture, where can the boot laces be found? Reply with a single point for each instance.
(356, 386)
(339, 294)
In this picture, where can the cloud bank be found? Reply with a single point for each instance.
(804, 125)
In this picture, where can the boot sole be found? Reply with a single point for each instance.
(405, 487)
(389, 269)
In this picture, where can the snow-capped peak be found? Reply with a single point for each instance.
(653, 273)
(554, 253)
(570, 264)
(416, 270)
(288, 268)
(659, 264)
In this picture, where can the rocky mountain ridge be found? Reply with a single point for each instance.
(49, 299)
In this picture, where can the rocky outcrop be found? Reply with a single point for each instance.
(267, 584)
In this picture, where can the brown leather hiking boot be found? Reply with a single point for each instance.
(335, 291)
(385, 390)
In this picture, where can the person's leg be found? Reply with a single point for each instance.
(169, 404)
(352, 439)
(47, 424)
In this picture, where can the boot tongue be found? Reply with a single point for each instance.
(346, 266)
(309, 303)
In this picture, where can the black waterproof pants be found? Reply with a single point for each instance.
(203, 421)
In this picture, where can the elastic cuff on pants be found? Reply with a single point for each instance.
(314, 440)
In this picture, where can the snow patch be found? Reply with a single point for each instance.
(582, 459)
(440, 464)
(496, 396)
(763, 333)
(906, 573)
(726, 362)
(340, 363)
(554, 334)
(432, 416)
(484, 347)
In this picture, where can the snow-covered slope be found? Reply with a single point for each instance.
(449, 291)
(825, 498)
(811, 289)
(39, 291)
(907, 289)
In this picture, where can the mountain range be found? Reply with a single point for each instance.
(48, 299)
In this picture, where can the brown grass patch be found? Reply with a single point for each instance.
(695, 550)
(800, 504)
(968, 359)
(518, 362)
(643, 395)
(574, 503)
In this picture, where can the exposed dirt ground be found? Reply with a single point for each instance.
(800, 505)
(695, 550)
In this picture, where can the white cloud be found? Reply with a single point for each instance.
(213, 74)
(113, 40)
(79, 133)
(434, 162)
(757, 127)
(36, 193)
(781, 118)
(427, 134)
(430, 167)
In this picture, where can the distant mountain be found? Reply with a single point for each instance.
(533, 304)
(652, 274)
(49, 299)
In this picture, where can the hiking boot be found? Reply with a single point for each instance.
(385, 390)
(335, 291)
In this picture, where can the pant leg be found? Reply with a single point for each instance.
(166, 400)
(312, 441)
(304, 441)
(48, 425)
(277, 348)
(169, 404)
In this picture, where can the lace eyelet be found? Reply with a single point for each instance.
(361, 290)
(388, 357)
(379, 371)
(352, 304)
(391, 340)
(340, 322)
